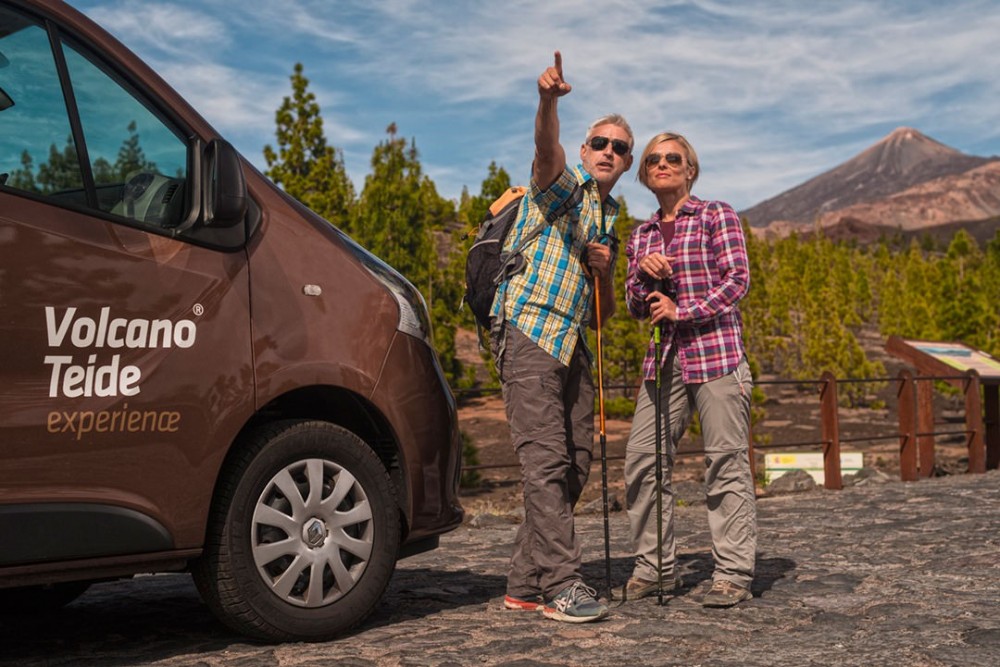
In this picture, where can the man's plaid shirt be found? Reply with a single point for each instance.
(550, 301)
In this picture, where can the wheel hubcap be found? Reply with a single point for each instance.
(312, 533)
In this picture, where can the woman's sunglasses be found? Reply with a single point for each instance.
(617, 145)
(673, 159)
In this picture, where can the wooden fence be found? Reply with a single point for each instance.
(916, 433)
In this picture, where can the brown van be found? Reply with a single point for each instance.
(197, 373)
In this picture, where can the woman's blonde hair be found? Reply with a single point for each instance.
(691, 156)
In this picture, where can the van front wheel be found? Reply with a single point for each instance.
(304, 534)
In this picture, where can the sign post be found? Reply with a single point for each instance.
(952, 360)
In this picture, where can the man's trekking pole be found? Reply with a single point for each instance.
(658, 449)
(603, 438)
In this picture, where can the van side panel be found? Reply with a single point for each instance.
(337, 337)
(126, 360)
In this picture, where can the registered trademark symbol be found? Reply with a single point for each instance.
(198, 309)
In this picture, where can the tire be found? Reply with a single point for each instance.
(303, 535)
(40, 599)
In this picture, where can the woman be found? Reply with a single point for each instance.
(698, 251)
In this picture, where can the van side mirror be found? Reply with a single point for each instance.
(225, 186)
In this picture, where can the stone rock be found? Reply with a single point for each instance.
(597, 506)
(867, 476)
(793, 481)
(486, 520)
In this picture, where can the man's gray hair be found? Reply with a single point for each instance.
(613, 119)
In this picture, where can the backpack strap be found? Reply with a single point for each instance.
(568, 205)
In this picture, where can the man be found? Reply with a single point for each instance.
(541, 354)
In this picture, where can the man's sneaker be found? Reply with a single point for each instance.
(637, 588)
(576, 603)
(535, 603)
(725, 594)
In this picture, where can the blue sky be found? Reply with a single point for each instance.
(770, 93)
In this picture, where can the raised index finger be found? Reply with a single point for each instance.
(559, 64)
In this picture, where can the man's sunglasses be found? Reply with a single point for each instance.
(673, 159)
(617, 145)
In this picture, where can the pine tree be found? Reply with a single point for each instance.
(24, 178)
(390, 219)
(966, 311)
(304, 164)
(62, 171)
(472, 210)
(807, 305)
(921, 295)
(397, 218)
(131, 157)
(991, 287)
(760, 331)
(104, 172)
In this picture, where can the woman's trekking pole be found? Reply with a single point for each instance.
(604, 440)
(658, 449)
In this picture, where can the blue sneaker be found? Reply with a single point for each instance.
(576, 603)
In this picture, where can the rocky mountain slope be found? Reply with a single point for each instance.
(907, 181)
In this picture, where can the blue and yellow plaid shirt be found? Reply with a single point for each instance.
(550, 301)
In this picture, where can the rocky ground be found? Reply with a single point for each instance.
(886, 573)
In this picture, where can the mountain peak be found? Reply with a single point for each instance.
(904, 133)
(903, 158)
(901, 152)
(907, 136)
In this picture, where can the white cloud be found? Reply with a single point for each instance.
(166, 28)
(771, 93)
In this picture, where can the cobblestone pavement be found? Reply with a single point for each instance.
(890, 574)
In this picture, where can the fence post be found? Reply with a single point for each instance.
(925, 426)
(991, 394)
(831, 432)
(974, 422)
(907, 426)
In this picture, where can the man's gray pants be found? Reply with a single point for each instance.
(723, 405)
(550, 409)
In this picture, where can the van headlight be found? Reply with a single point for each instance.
(413, 318)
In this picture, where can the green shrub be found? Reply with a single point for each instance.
(470, 457)
(617, 408)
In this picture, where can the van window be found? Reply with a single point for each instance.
(37, 152)
(138, 162)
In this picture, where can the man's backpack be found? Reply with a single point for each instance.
(486, 265)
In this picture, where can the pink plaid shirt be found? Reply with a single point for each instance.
(711, 274)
